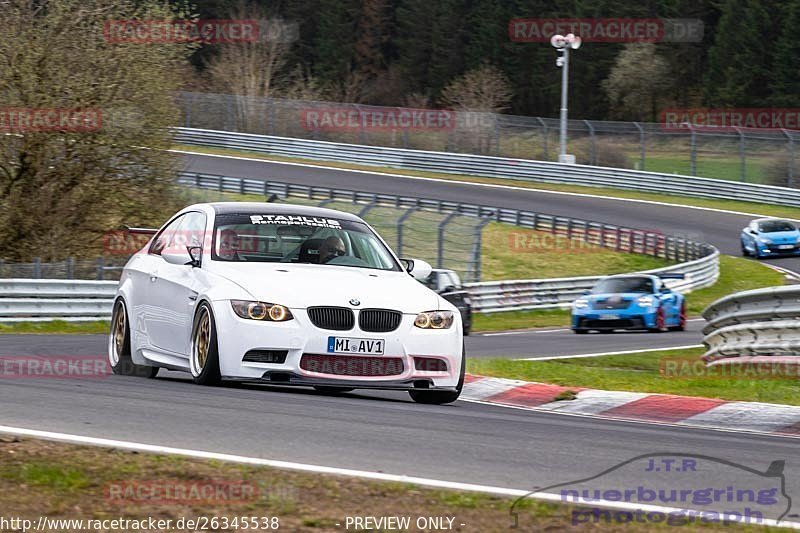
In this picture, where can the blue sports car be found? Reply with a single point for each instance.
(768, 237)
(630, 301)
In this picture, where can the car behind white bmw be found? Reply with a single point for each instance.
(287, 295)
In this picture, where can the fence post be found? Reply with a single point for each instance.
(37, 268)
(790, 176)
(641, 145)
(400, 222)
(366, 209)
(544, 136)
(70, 267)
(593, 149)
(476, 248)
(440, 240)
(693, 154)
(742, 152)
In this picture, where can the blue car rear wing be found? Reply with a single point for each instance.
(672, 276)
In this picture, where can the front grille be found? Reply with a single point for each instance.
(347, 365)
(379, 320)
(621, 323)
(609, 304)
(335, 318)
(265, 356)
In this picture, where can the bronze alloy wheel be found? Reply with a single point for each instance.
(202, 342)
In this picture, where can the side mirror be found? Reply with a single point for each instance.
(417, 268)
(190, 256)
(665, 290)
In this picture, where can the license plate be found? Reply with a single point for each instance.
(786, 247)
(355, 345)
(609, 317)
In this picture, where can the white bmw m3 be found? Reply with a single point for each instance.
(286, 295)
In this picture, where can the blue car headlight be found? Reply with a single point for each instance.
(645, 301)
(765, 240)
(580, 303)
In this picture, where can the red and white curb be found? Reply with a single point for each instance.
(670, 409)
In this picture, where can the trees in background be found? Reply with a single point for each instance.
(63, 184)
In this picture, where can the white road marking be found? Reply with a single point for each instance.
(490, 185)
(578, 356)
(364, 474)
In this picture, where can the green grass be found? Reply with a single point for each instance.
(718, 167)
(712, 203)
(640, 372)
(56, 327)
(736, 275)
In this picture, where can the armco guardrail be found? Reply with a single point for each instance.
(478, 165)
(34, 300)
(761, 322)
(493, 296)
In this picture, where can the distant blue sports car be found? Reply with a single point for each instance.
(630, 301)
(768, 237)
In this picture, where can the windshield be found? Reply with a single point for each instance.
(286, 238)
(618, 285)
(771, 226)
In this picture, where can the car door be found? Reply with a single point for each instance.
(668, 303)
(174, 289)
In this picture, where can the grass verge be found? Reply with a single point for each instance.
(39, 478)
(731, 205)
(60, 327)
(664, 372)
(736, 274)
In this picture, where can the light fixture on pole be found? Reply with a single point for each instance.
(564, 43)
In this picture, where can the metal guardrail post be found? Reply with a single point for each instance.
(641, 145)
(400, 222)
(693, 152)
(37, 268)
(440, 239)
(70, 264)
(99, 264)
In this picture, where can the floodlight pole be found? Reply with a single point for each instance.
(564, 92)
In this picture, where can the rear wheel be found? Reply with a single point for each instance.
(204, 358)
(436, 397)
(119, 346)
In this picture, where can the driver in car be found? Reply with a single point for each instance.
(229, 245)
(330, 249)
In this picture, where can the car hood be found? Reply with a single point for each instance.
(300, 286)
(782, 237)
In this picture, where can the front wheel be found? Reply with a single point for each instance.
(119, 346)
(436, 397)
(204, 358)
(660, 324)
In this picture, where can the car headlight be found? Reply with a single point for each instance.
(580, 303)
(434, 320)
(645, 301)
(765, 240)
(261, 311)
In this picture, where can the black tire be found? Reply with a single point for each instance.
(437, 397)
(204, 356)
(745, 253)
(119, 346)
(605, 331)
(326, 389)
(580, 331)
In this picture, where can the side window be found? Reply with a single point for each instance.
(186, 230)
(164, 238)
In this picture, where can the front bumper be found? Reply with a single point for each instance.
(237, 336)
(609, 321)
